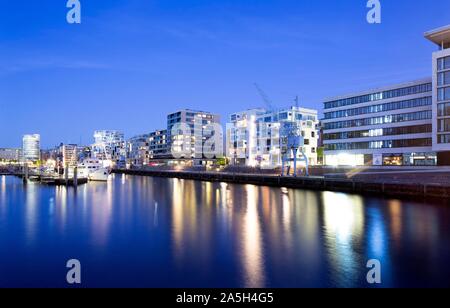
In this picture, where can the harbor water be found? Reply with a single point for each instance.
(158, 232)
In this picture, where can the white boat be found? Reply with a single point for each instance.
(94, 170)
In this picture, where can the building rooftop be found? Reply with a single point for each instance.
(439, 36)
(379, 89)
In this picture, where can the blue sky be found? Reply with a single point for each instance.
(131, 62)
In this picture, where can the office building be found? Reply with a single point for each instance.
(398, 125)
(441, 93)
(31, 148)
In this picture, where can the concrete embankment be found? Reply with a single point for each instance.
(398, 190)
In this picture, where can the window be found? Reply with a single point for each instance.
(313, 134)
(443, 94)
(443, 64)
(444, 78)
(444, 110)
(444, 125)
(283, 116)
(306, 141)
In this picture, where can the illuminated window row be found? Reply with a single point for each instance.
(396, 118)
(385, 144)
(422, 88)
(390, 131)
(418, 102)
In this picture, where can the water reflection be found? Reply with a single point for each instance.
(252, 250)
(173, 232)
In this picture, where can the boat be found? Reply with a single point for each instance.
(94, 170)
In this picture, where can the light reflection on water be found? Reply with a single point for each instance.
(177, 233)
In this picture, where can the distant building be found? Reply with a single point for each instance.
(31, 148)
(257, 137)
(109, 145)
(138, 150)
(10, 155)
(158, 146)
(196, 127)
(69, 155)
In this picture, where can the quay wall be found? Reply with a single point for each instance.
(397, 190)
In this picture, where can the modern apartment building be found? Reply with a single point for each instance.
(138, 150)
(158, 144)
(257, 137)
(187, 134)
(109, 145)
(31, 148)
(400, 125)
(69, 155)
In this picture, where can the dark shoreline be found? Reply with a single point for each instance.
(428, 192)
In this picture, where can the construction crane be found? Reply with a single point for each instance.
(265, 98)
(296, 101)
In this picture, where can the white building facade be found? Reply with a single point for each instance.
(109, 145)
(256, 137)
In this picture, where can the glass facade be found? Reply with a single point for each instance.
(416, 89)
(443, 99)
(418, 102)
(395, 118)
(382, 144)
(389, 131)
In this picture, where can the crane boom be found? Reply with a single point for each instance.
(265, 98)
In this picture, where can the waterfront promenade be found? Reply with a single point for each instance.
(389, 182)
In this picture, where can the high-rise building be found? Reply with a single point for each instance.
(403, 124)
(31, 148)
(189, 130)
(259, 138)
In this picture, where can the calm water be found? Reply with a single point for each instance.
(152, 232)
